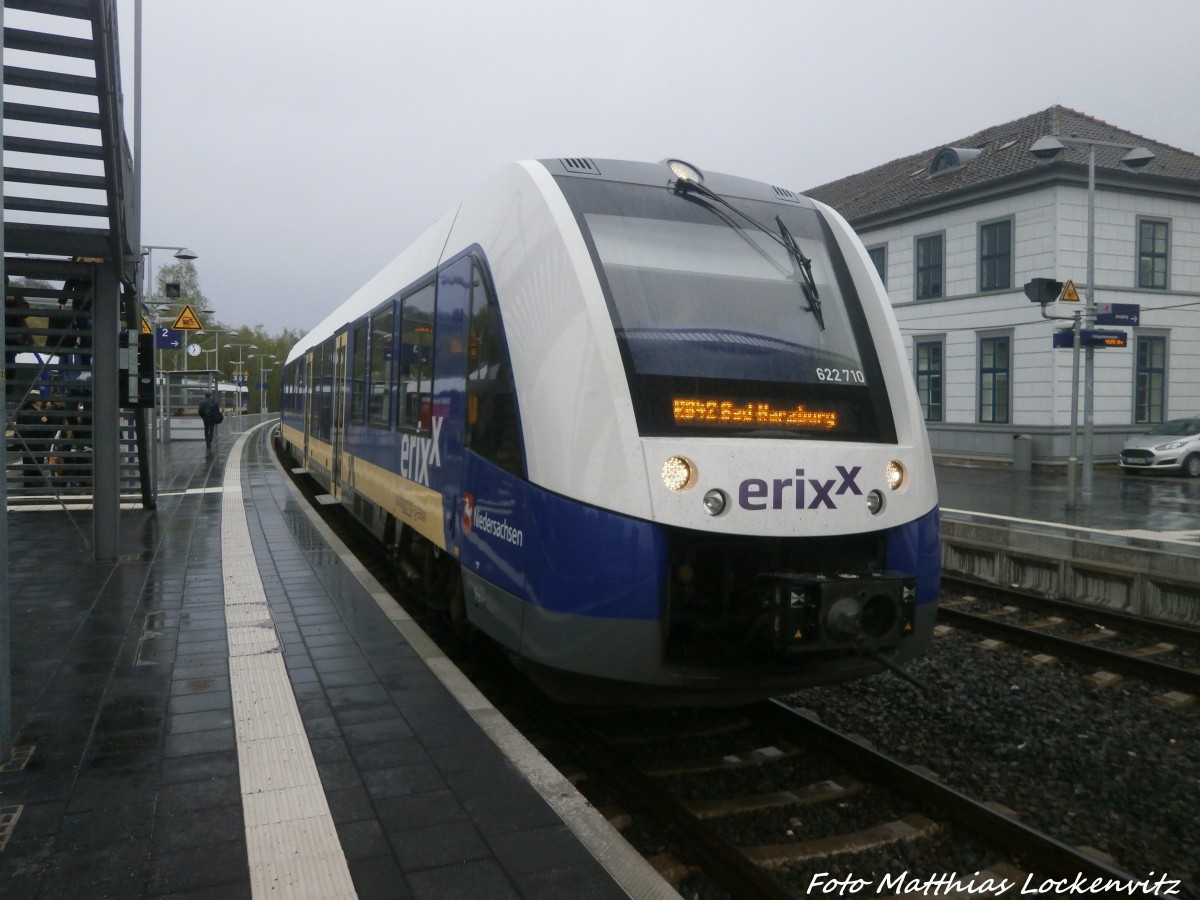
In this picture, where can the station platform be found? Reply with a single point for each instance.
(234, 709)
(1130, 545)
(1150, 509)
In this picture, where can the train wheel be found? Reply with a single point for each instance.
(445, 591)
(435, 574)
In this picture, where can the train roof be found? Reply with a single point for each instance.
(403, 269)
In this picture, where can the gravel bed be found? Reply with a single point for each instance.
(1103, 767)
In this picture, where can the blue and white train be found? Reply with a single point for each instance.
(651, 429)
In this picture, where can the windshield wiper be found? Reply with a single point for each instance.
(804, 270)
(802, 264)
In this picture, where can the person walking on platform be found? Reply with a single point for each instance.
(211, 415)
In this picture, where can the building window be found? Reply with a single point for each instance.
(1153, 241)
(1150, 379)
(995, 256)
(929, 266)
(879, 257)
(929, 357)
(994, 364)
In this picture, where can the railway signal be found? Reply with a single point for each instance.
(1043, 290)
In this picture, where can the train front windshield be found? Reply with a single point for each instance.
(718, 333)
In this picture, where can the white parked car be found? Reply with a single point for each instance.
(1172, 446)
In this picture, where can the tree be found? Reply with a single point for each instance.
(182, 273)
(256, 363)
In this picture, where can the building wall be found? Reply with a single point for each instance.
(1049, 240)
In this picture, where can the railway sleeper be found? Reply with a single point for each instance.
(819, 792)
(910, 828)
(754, 757)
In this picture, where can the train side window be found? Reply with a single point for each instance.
(379, 407)
(324, 429)
(293, 400)
(492, 429)
(416, 357)
(314, 391)
(358, 382)
(305, 397)
(302, 381)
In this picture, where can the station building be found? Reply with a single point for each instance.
(958, 230)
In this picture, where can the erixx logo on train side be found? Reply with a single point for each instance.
(418, 453)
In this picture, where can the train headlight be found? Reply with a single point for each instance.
(685, 171)
(875, 502)
(715, 502)
(679, 473)
(895, 474)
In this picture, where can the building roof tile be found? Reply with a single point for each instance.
(907, 182)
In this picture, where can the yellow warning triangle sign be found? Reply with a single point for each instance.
(146, 326)
(1069, 293)
(187, 320)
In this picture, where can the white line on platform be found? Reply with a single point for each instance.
(291, 842)
(598, 836)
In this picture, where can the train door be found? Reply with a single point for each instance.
(337, 435)
(494, 497)
(449, 384)
(308, 399)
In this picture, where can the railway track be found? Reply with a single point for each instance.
(853, 810)
(1161, 652)
(652, 772)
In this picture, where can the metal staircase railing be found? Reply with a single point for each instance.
(71, 257)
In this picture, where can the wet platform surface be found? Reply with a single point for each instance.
(136, 779)
(1151, 508)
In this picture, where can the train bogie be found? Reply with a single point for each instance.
(653, 433)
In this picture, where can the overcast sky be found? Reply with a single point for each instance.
(298, 146)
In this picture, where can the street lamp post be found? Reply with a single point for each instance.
(216, 345)
(240, 363)
(266, 377)
(181, 253)
(1049, 148)
(262, 393)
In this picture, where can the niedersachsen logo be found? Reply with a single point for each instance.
(476, 519)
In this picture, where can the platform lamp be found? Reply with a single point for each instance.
(216, 345)
(1047, 149)
(182, 254)
(262, 392)
(240, 363)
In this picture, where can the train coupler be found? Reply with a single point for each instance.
(842, 611)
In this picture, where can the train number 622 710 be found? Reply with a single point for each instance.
(845, 376)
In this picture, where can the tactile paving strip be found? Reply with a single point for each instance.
(291, 842)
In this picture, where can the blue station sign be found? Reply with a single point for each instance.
(1118, 314)
(1090, 337)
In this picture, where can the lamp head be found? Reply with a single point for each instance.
(1137, 158)
(1046, 148)
(185, 253)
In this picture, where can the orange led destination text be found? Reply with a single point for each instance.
(727, 412)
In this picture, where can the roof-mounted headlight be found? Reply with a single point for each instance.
(685, 171)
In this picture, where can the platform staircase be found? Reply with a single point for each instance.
(72, 256)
